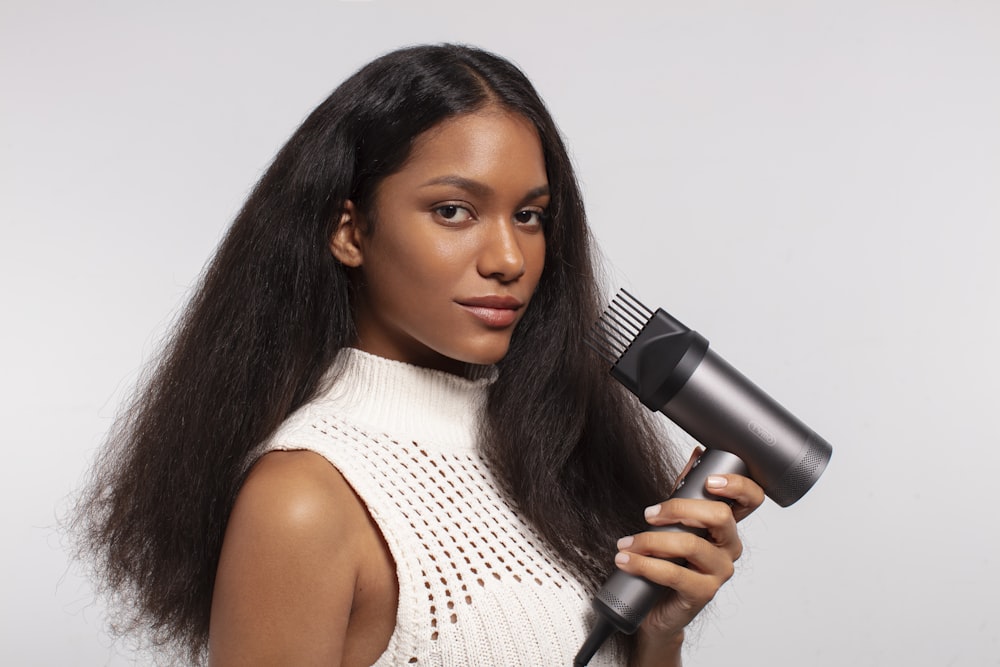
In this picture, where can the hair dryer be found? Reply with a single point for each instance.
(670, 368)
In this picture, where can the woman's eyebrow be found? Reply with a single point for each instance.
(540, 191)
(467, 184)
(481, 189)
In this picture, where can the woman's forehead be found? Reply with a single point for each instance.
(477, 144)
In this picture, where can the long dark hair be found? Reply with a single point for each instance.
(577, 455)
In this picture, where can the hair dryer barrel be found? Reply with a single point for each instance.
(722, 409)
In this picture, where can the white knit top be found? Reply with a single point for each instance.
(476, 583)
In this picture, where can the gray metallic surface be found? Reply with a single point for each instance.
(626, 599)
(722, 409)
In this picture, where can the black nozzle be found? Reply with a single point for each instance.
(660, 360)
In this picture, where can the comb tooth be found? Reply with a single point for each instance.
(634, 306)
(612, 337)
(625, 294)
(605, 353)
(618, 326)
(608, 342)
(629, 314)
(626, 319)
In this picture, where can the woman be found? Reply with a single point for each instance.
(376, 436)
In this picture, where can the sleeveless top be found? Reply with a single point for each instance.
(477, 585)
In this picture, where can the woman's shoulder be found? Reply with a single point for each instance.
(290, 561)
(291, 492)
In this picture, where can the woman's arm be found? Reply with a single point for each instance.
(710, 562)
(289, 572)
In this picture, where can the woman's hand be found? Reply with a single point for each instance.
(710, 560)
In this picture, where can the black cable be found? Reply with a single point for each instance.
(602, 629)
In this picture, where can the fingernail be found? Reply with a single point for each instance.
(652, 511)
(716, 482)
(621, 558)
(625, 542)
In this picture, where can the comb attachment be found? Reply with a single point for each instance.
(651, 353)
(620, 324)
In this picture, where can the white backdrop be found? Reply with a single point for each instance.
(813, 186)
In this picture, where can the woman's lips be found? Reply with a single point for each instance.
(494, 317)
(494, 311)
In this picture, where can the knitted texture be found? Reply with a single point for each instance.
(477, 585)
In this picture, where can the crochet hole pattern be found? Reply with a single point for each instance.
(476, 585)
(468, 541)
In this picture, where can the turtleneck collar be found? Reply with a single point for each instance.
(435, 408)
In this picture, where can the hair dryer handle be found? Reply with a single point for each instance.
(626, 599)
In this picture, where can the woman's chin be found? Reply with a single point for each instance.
(485, 355)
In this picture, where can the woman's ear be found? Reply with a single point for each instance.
(345, 242)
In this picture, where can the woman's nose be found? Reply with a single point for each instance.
(501, 256)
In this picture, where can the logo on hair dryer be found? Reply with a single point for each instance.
(761, 433)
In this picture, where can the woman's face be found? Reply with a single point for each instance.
(457, 246)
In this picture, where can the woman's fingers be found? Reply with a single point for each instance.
(694, 567)
(714, 516)
(705, 567)
(745, 493)
(699, 554)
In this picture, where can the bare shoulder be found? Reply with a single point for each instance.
(296, 492)
(289, 563)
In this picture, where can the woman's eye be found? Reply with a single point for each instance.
(453, 213)
(530, 217)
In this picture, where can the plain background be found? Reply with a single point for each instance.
(815, 186)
